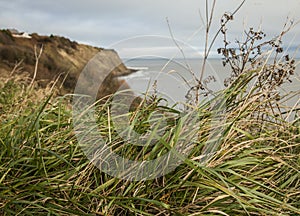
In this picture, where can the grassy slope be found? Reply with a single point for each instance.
(60, 55)
(61, 60)
(43, 171)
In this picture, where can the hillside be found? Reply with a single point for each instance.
(61, 59)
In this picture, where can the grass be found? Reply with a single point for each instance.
(43, 170)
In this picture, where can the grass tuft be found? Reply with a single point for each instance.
(43, 170)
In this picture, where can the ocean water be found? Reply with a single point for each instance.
(172, 79)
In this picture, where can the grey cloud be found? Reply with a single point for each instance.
(102, 22)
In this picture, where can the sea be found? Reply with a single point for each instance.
(173, 79)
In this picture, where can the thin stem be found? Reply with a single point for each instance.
(37, 57)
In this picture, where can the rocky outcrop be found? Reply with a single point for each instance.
(62, 60)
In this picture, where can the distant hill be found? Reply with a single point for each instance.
(61, 59)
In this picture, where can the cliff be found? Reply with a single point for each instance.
(61, 59)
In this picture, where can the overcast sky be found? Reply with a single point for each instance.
(124, 23)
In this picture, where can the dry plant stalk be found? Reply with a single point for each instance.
(200, 87)
(37, 55)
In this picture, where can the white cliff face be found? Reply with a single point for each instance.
(22, 35)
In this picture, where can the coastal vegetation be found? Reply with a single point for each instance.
(255, 169)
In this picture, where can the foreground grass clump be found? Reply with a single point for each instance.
(255, 171)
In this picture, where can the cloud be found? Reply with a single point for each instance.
(102, 23)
